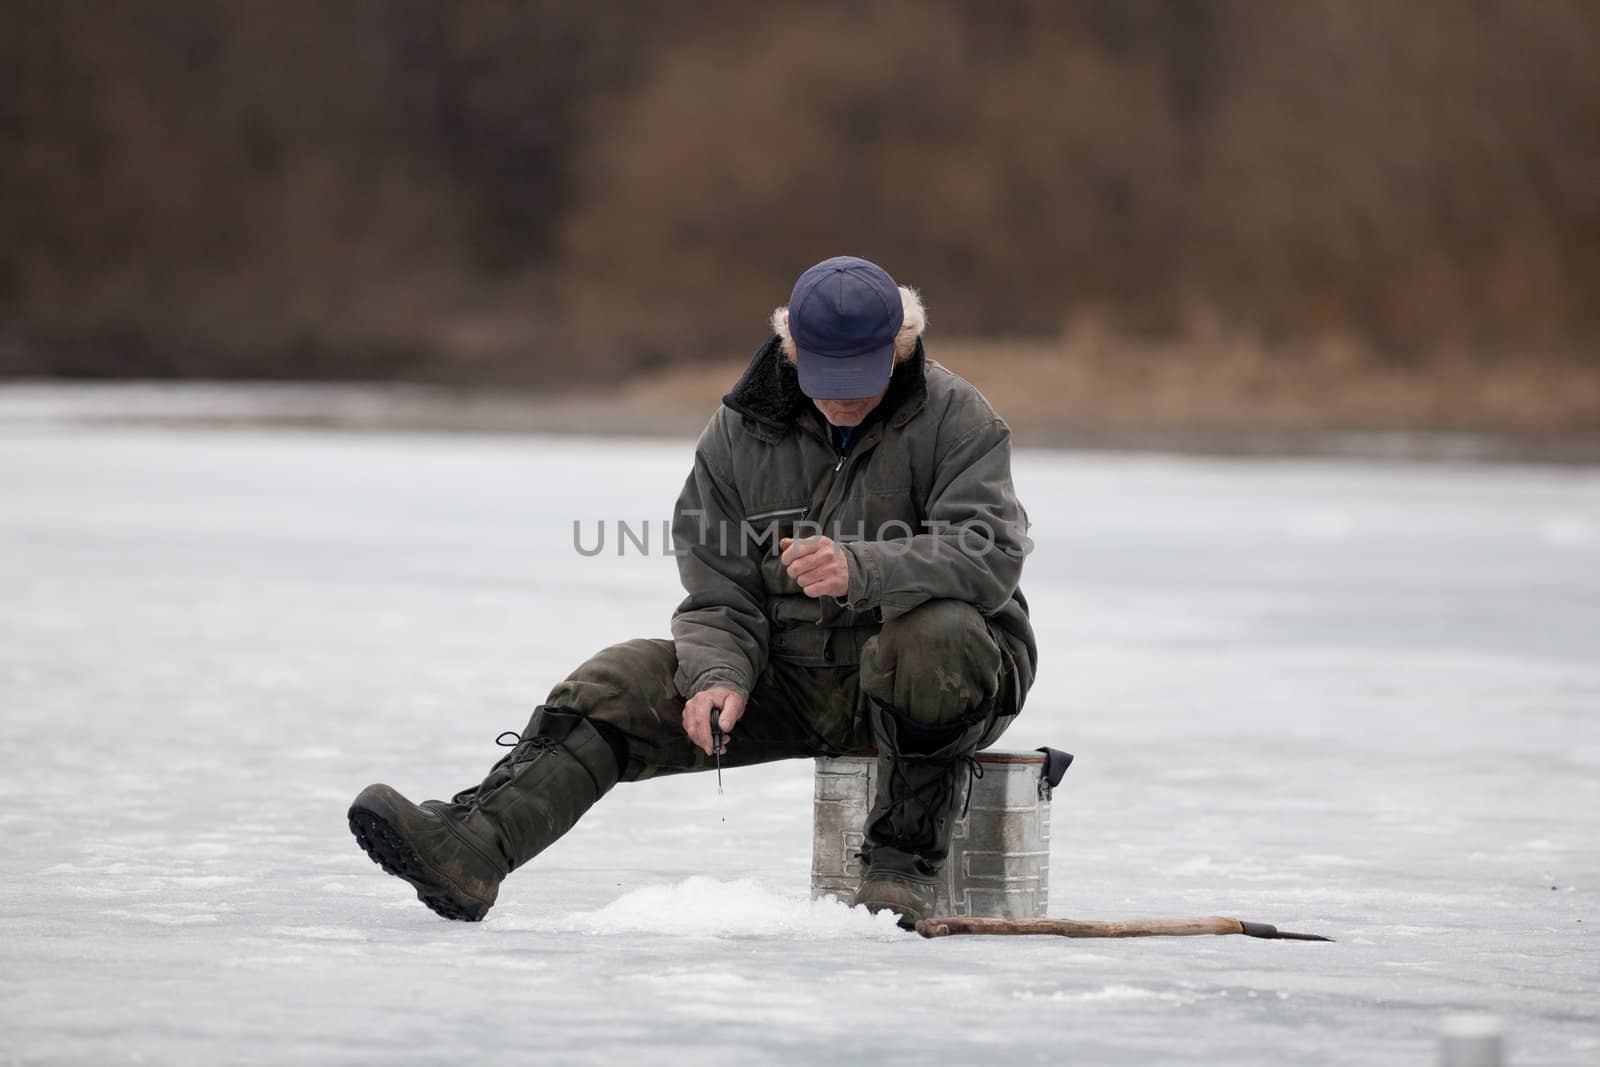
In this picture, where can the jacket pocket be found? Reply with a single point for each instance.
(792, 514)
(765, 528)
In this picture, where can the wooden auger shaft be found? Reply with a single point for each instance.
(1213, 924)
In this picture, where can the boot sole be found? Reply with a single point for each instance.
(390, 850)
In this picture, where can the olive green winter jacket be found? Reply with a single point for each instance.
(922, 502)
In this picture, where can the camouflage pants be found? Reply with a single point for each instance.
(939, 663)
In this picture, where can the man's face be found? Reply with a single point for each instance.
(848, 412)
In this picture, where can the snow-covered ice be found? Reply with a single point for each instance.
(1362, 700)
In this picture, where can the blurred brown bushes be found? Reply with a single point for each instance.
(493, 191)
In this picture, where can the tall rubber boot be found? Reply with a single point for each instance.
(456, 853)
(923, 775)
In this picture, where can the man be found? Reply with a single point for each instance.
(850, 545)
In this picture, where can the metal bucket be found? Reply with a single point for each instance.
(999, 864)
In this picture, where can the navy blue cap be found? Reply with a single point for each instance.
(843, 316)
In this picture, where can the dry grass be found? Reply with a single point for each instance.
(1089, 381)
(1231, 395)
(1086, 390)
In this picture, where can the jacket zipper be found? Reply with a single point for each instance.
(833, 496)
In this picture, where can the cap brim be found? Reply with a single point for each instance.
(845, 378)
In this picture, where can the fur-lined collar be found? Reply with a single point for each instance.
(769, 390)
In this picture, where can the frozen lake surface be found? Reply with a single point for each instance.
(1357, 700)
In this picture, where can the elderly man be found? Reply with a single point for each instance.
(850, 545)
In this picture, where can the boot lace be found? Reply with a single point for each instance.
(936, 793)
(974, 772)
(524, 748)
(522, 751)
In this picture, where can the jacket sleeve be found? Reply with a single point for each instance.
(720, 628)
(973, 540)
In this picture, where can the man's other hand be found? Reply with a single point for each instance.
(697, 715)
(818, 563)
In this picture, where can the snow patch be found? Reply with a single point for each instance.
(706, 907)
(205, 881)
(1321, 525)
(161, 918)
(321, 933)
(1322, 859)
(1540, 844)
(1568, 531)
(1114, 992)
(93, 892)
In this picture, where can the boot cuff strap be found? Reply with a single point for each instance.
(554, 722)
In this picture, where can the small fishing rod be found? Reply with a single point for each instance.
(716, 743)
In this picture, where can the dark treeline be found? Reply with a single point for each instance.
(493, 191)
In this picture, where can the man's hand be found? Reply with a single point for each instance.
(697, 715)
(818, 563)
